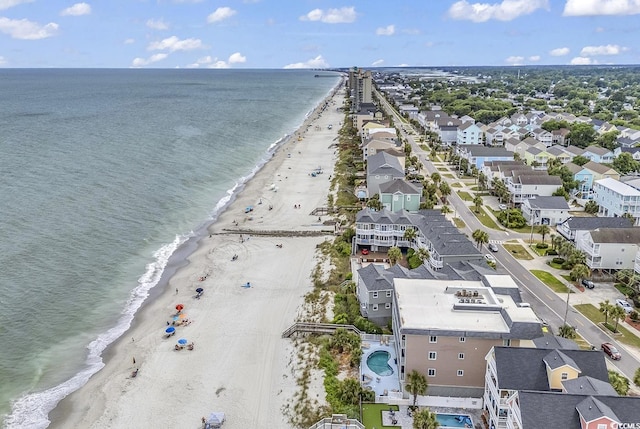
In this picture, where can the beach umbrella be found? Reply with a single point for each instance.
(182, 342)
(170, 330)
(199, 290)
(179, 307)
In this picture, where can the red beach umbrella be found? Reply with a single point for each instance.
(180, 307)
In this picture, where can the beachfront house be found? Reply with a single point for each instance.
(382, 168)
(398, 195)
(444, 329)
(549, 372)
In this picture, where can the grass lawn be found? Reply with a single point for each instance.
(539, 252)
(459, 222)
(592, 313)
(465, 196)
(554, 265)
(456, 185)
(449, 175)
(624, 289)
(518, 251)
(372, 415)
(551, 281)
(485, 219)
(443, 169)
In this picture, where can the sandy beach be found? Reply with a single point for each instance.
(239, 364)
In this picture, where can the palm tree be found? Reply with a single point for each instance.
(445, 209)
(445, 190)
(481, 237)
(605, 308)
(482, 181)
(477, 202)
(543, 231)
(579, 272)
(619, 382)
(436, 178)
(423, 254)
(577, 257)
(416, 384)
(425, 419)
(556, 241)
(616, 314)
(410, 234)
(567, 331)
(395, 254)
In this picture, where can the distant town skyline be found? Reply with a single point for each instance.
(316, 33)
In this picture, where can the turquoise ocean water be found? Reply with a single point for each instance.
(104, 174)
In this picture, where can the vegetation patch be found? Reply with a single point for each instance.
(456, 185)
(551, 281)
(518, 251)
(459, 223)
(592, 313)
(465, 196)
(485, 219)
(372, 415)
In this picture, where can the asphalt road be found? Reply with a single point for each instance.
(546, 304)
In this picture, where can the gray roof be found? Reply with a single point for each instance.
(591, 223)
(573, 168)
(376, 277)
(597, 150)
(556, 359)
(592, 409)
(561, 409)
(399, 186)
(479, 150)
(532, 179)
(554, 342)
(520, 368)
(597, 167)
(588, 386)
(616, 235)
(383, 161)
(549, 203)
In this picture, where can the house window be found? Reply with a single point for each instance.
(431, 372)
(506, 343)
(375, 307)
(433, 339)
(460, 355)
(387, 305)
(462, 339)
(602, 426)
(375, 294)
(408, 197)
(395, 198)
(460, 373)
(564, 376)
(388, 294)
(433, 355)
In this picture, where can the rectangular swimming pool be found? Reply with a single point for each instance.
(454, 420)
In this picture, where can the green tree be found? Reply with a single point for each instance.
(579, 272)
(477, 202)
(436, 178)
(543, 231)
(624, 163)
(567, 331)
(374, 203)
(636, 377)
(591, 207)
(394, 254)
(445, 209)
(416, 384)
(616, 314)
(425, 419)
(423, 254)
(581, 134)
(480, 237)
(445, 190)
(605, 308)
(619, 382)
(410, 234)
(350, 390)
(580, 160)
(556, 241)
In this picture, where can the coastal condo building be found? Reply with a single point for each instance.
(361, 88)
(445, 328)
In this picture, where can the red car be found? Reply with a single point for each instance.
(365, 251)
(611, 351)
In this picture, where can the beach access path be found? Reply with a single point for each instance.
(240, 365)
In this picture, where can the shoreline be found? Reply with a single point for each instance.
(110, 395)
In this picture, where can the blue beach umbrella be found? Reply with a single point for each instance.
(182, 342)
(199, 290)
(170, 330)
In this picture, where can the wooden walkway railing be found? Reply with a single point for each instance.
(317, 328)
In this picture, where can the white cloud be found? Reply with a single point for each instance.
(129, 41)
(559, 52)
(389, 30)
(6, 4)
(534, 58)
(317, 62)
(221, 14)
(27, 30)
(215, 63)
(343, 15)
(237, 58)
(582, 61)
(514, 60)
(157, 24)
(601, 7)
(141, 62)
(590, 51)
(173, 44)
(507, 10)
(2, 60)
(77, 9)
(377, 63)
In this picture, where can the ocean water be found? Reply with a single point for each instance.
(104, 174)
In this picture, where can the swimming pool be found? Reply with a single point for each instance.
(378, 362)
(454, 421)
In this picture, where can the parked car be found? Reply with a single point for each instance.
(588, 284)
(365, 251)
(502, 206)
(625, 305)
(611, 351)
(493, 247)
(489, 258)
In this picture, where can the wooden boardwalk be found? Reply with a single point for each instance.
(317, 328)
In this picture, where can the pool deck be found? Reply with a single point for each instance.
(406, 422)
(380, 384)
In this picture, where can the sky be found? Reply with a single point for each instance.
(316, 33)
